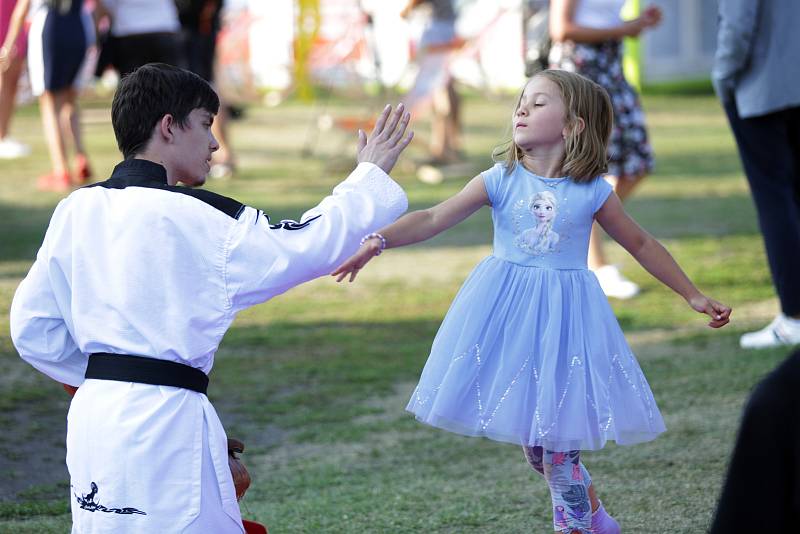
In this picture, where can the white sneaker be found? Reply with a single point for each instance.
(614, 284)
(428, 174)
(780, 332)
(13, 149)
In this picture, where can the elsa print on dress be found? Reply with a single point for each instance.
(540, 239)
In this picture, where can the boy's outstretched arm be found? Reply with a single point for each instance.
(657, 260)
(418, 226)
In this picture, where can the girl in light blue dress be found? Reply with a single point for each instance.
(530, 351)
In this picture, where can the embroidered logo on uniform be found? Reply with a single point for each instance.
(87, 503)
(287, 224)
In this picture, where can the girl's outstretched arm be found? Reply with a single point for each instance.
(418, 226)
(657, 260)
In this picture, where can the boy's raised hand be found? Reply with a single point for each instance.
(354, 263)
(386, 141)
(720, 314)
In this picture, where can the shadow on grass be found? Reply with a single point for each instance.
(23, 230)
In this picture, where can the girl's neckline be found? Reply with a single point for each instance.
(543, 178)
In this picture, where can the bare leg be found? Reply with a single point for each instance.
(224, 160)
(441, 108)
(453, 124)
(70, 120)
(8, 93)
(50, 106)
(220, 131)
(624, 188)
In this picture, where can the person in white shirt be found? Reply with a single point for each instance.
(136, 283)
(142, 31)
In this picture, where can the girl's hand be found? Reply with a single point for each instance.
(720, 314)
(357, 261)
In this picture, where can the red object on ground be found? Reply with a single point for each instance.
(82, 169)
(54, 182)
(251, 527)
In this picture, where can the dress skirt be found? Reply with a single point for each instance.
(534, 356)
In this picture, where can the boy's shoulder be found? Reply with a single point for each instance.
(229, 206)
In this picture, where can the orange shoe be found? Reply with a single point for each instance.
(82, 170)
(55, 181)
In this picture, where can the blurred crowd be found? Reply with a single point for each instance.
(60, 40)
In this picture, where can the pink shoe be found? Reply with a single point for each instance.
(602, 523)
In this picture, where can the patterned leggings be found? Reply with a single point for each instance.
(569, 483)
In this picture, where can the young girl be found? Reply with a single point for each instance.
(530, 351)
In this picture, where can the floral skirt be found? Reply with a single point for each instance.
(630, 153)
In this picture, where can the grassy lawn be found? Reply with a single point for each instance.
(316, 381)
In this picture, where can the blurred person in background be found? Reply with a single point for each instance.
(439, 39)
(142, 31)
(60, 33)
(756, 75)
(14, 58)
(587, 39)
(200, 24)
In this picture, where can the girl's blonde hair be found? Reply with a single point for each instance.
(586, 150)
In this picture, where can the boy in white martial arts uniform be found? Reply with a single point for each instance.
(137, 281)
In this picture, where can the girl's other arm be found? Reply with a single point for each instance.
(419, 225)
(657, 260)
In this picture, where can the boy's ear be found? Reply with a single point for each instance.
(165, 127)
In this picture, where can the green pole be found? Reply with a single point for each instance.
(307, 24)
(632, 57)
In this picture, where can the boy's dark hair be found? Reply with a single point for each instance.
(147, 94)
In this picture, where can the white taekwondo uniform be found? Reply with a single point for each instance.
(135, 266)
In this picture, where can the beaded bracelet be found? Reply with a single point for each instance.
(379, 236)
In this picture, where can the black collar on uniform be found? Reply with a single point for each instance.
(133, 171)
(145, 173)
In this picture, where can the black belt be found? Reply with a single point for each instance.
(127, 368)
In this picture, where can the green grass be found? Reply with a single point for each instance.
(315, 382)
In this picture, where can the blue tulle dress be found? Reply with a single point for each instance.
(530, 351)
